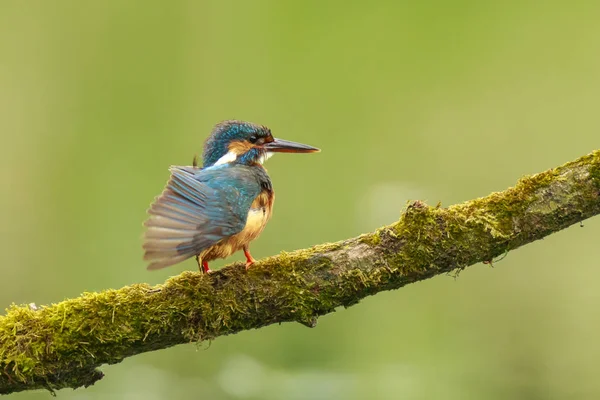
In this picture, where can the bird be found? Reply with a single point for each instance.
(215, 210)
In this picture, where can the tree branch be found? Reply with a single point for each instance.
(61, 345)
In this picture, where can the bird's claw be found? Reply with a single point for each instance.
(249, 259)
(203, 265)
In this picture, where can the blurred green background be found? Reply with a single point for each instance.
(438, 101)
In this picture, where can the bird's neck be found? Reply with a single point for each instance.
(253, 156)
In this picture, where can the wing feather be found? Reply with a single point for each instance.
(196, 210)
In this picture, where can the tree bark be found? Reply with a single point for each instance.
(61, 345)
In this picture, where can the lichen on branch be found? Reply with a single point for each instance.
(61, 345)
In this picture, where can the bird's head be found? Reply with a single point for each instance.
(246, 143)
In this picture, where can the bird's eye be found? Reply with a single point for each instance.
(253, 139)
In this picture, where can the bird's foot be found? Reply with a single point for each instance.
(249, 259)
(205, 268)
(203, 265)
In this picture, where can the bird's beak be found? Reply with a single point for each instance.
(285, 146)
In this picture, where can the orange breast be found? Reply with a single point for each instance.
(258, 216)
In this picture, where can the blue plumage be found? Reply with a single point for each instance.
(219, 209)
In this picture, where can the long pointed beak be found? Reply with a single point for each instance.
(285, 146)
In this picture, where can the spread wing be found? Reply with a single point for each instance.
(197, 209)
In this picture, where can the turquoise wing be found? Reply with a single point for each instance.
(196, 210)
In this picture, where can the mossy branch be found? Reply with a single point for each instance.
(61, 345)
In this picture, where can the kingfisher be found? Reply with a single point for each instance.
(213, 211)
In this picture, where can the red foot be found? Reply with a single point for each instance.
(249, 259)
(205, 268)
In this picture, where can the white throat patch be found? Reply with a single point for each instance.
(227, 158)
(232, 156)
(265, 157)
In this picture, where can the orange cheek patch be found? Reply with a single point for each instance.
(240, 147)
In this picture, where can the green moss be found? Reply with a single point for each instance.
(372, 239)
(595, 168)
(439, 239)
